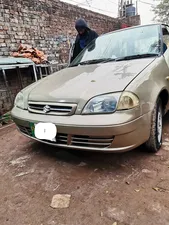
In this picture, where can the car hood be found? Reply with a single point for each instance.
(84, 82)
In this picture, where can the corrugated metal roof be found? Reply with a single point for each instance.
(13, 61)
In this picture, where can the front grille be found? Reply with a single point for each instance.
(62, 139)
(94, 142)
(25, 130)
(76, 140)
(64, 109)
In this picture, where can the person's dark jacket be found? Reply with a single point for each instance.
(89, 36)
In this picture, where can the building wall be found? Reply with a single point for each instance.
(48, 25)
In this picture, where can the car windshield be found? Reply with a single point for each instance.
(125, 44)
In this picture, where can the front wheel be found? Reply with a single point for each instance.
(155, 141)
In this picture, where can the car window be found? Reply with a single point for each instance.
(139, 40)
(165, 31)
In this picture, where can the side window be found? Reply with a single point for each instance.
(165, 30)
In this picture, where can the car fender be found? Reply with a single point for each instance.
(150, 83)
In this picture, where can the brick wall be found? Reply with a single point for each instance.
(48, 25)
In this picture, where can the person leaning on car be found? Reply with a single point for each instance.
(84, 37)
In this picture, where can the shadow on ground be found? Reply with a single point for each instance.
(97, 159)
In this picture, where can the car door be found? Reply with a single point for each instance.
(165, 34)
(165, 38)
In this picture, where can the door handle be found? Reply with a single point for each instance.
(167, 78)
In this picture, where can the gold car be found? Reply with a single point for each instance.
(111, 98)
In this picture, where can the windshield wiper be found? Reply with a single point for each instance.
(105, 60)
(137, 56)
(93, 61)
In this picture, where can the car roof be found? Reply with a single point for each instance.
(133, 27)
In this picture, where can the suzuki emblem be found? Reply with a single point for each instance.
(46, 109)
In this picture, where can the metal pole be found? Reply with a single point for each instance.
(119, 2)
(35, 74)
(51, 69)
(125, 3)
(19, 76)
(122, 8)
(136, 7)
(40, 71)
(46, 72)
(7, 86)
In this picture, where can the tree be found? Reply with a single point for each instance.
(161, 11)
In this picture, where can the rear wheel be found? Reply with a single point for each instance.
(155, 141)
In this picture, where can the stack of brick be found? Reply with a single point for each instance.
(26, 51)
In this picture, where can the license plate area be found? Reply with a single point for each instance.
(44, 131)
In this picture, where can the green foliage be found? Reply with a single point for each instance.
(161, 11)
(5, 119)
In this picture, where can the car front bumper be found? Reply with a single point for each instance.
(89, 132)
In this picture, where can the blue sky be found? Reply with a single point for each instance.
(110, 7)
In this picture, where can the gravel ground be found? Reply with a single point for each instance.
(106, 189)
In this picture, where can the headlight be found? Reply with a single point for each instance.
(109, 103)
(102, 104)
(128, 100)
(19, 101)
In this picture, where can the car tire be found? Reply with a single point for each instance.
(155, 140)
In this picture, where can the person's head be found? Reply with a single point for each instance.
(81, 26)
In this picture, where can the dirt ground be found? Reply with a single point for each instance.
(106, 189)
